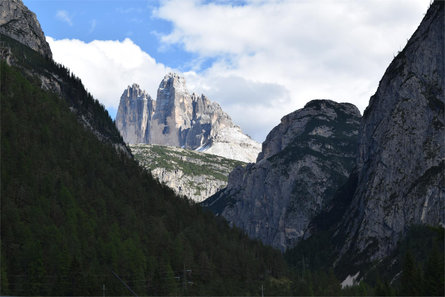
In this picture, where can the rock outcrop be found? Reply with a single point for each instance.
(138, 106)
(192, 174)
(402, 148)
(178, 118)
(19, 23)
(303, 161)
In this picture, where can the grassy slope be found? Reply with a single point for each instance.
(190, 162)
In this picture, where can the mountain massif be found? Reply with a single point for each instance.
(178, 118)
(304, 160)
(359, 185)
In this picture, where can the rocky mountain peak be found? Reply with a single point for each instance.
(133, 125)
(185, 120)
(298, 122)
(135, 92)
(21, 24)
(172, 87)
(304, 160)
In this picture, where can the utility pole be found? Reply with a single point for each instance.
(103, 290)
(262, 290)
(184, 277)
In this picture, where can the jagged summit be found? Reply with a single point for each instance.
(21, 24)
(178, 118)
(134, 127)
(134, 91)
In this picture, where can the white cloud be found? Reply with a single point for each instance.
(271, 57)
(64, 16)
(106, 68)
(268, 57)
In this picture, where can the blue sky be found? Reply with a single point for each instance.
(89, 20)
(260, 60)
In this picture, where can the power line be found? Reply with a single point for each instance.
(129, 289)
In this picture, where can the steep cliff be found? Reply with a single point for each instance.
(19, 23)
(303, 161)
(401, 151)
(138, 106)
(192, 174)
(178, 118)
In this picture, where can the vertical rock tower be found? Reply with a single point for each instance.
(137, 106)
(178, 118)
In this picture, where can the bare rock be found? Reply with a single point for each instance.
(21, 24)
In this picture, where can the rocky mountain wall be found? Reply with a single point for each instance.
(304, 160)
(401, 161)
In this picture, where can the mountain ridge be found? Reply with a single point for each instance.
(304, 160)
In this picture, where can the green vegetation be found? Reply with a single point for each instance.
(74, 211)
(416, 267)
(71, 87)
(190, 162)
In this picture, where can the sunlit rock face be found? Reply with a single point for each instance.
(178, 118)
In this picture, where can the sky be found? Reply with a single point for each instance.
(260, 60)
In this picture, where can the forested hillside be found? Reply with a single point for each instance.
(75, 212)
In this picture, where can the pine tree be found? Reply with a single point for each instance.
(411, 280)
(434, 274)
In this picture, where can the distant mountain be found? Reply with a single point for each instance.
(178, 118)
(189, 173)
(303, 162)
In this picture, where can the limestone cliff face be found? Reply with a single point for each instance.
(178, 118)
(134, 127)
(19, 23)
(402, 147)
(303, 162)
